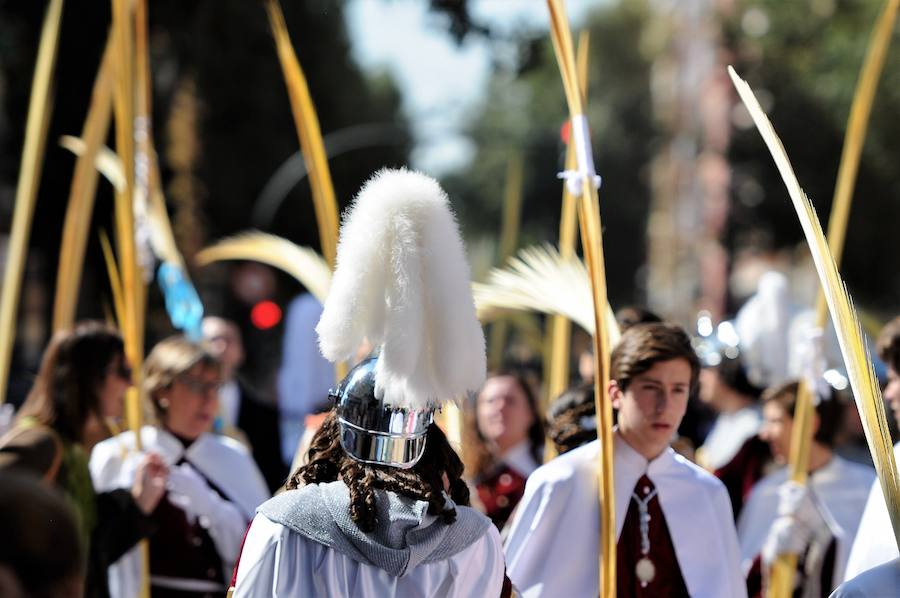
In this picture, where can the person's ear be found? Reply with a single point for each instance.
(615, 394)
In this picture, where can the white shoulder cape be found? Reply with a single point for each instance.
(223, 461)
(553, 546)
(874, 543)
(882, 581)
(841, 486)
(277, 562)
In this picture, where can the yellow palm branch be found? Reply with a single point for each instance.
(539, 279)
(588, 208)
(81, 197)
(308, 131)
(863, 381)
(302, 263)
(39, 109)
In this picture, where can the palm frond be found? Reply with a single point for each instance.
(309, 133)
(40, 106)
(863, 381)
(302, 263)
(538, 279)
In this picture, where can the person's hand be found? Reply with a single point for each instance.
(189, 491)
(799, 521)
(149, 482)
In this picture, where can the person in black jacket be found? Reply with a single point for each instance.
(82, 381)
(255, 421)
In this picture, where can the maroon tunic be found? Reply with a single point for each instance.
(668, 580)
(746, 468)
(500, 492)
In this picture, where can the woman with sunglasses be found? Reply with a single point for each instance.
(81, 384)
(214, 485)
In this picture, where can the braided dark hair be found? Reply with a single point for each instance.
(328, 462)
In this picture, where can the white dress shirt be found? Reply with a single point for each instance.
(553, 546)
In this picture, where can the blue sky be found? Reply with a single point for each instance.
(441, 81)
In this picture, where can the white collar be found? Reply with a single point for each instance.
(630, 460)
(521, 459)
(221, 460)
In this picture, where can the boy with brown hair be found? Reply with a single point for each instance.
(815, 522)
(674, 527)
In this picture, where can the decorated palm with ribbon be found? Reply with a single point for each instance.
(583, 183)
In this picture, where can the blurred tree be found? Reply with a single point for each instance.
(525, 112)
(804, 58)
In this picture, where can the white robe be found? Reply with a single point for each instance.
(553, 546)
(222, 460)
(276, 562)
(881, 582)
(840, 485)
(874, 543)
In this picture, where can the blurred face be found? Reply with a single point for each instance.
(892, 392)
(709, 386)
(651, 408)
(193, 402)
(225, 343)
(112, 390)
(776, 430)
(503, 413)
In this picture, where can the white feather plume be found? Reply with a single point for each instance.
(402, 280)
(762, 325)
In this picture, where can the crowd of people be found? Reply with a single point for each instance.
(381, 502)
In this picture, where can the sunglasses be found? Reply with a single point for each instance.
(121, 369)
(198, 386)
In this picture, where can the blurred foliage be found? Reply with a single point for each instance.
(524, 112)
(806, 56)
(803, 58)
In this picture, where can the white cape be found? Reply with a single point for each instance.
(874, 543)
(840, 485)
(881, 582)
(277, 562)
(223, 461)
(553, 546)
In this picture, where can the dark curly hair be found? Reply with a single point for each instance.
(328, 462)
(566, 415)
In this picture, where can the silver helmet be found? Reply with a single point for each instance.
(373, 432)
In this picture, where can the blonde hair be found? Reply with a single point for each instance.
(171, 358)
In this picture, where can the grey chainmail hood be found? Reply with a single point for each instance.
(405, 534)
